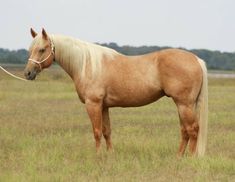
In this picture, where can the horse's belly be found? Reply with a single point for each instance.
(136, 84)
(132, 98)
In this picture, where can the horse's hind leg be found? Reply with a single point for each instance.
(106, 129)
(184, 140)
(189, 127)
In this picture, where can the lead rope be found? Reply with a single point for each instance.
(19, 78)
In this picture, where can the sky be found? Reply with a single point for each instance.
(199, 24)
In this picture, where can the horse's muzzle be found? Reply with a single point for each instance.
(30, 75)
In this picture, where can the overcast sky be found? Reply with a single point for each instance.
(179, 23)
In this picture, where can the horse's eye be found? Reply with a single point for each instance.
(42, 50)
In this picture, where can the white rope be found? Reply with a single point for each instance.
(12, 74)
(40, 62)
(34, 61)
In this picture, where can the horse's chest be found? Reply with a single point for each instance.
(81, 93)
(81, 97)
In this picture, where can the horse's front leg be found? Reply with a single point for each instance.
(94, 110)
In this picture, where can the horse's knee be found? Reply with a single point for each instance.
(184, 133)
(97, 134)
(106, 134)
(106, 131)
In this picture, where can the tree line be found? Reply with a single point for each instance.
(13, 57)
(214, 59)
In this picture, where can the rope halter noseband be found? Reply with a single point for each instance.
(51, 53)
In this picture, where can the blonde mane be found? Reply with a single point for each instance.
(77, 55)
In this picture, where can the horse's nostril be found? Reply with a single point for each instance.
(28, 73)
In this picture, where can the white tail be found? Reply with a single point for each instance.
(202, 112)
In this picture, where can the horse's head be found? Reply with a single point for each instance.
(41, 54)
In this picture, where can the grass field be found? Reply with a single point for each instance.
(45, 135)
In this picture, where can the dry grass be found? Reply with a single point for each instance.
(45, 135)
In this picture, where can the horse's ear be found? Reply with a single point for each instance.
(33, 33)
(44, 34)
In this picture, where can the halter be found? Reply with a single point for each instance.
(51, 53)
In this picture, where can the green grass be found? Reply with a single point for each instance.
(45, 135)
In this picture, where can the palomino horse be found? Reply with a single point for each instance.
(105, 78)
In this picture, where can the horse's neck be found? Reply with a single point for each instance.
(64, 55)
(78, 58)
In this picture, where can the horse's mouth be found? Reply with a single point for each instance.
(30, 75)
(31, 78)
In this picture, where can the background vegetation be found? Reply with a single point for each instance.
(45, 135)
(214, 59)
